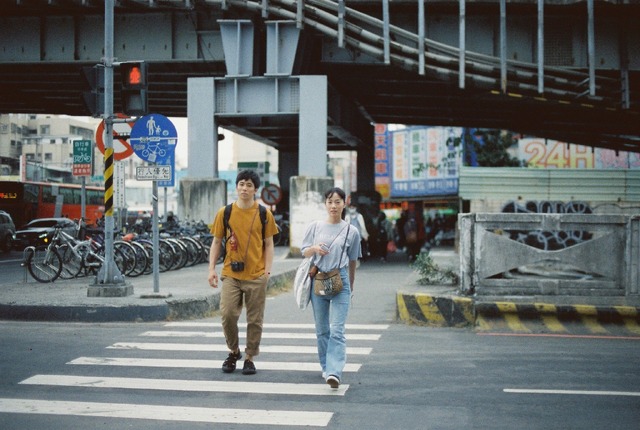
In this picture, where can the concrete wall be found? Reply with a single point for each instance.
(200, 198)
(306, 203)
(499, 254)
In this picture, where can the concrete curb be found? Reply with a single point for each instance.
(453, 311)
(160, 310)
(564, 312)
(445, 311)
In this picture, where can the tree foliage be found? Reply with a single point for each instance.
(488, 148)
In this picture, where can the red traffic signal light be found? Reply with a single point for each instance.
(134, 75)
(134, 88)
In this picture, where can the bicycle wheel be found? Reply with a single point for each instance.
(44, 265)
(122, 261)
(129, 256)
(142, 260)
(194, 250)
(180, 255)
(148, 246)
(167, 255)
(71, 262)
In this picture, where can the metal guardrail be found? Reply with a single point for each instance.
(496, 258)
(405, 49)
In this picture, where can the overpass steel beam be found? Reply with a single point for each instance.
(462, 44)
(541, 46)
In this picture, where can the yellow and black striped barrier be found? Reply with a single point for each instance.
(559, 319)
(424, 309)
(108, 181)
(452, 311)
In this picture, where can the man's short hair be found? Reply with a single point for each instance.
(249, 175)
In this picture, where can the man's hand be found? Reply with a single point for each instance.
(213, 279)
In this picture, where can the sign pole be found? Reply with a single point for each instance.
(83, 199)
(156, 239)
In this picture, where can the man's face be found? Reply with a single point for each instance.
(246, 190)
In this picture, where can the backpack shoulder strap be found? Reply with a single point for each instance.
(225, 218)
(263, 218)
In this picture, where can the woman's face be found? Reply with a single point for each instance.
(335, 205)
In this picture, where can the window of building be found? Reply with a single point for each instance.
(48, 156)
(45, 129)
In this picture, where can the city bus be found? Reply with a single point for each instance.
(28, 200)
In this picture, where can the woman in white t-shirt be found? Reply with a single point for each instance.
(334, 245)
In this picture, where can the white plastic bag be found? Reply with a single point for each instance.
(302, 284)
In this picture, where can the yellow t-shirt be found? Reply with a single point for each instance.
(246, 225)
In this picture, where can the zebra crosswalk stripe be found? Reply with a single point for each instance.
(275, 349)
(166, 413)
(269, 326)
(251, 387)
(202, 364)
(265, 335)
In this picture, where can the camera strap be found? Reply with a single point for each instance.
(246, 251)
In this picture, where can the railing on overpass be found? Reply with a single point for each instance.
(394, 45)
(597, 255)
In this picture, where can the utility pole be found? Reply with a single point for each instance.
(109, 281)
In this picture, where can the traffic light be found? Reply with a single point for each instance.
(94, 99)
(134, 88)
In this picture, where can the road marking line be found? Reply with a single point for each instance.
(573, 392)
(576, 336)
(166, 413)
(276, 349)
(203, 364)
(210, 386)
(278, 326)
(265, 335)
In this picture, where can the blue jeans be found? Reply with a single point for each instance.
(330, 314)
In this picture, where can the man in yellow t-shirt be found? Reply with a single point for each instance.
(246, 269)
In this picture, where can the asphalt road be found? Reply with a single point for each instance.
(122, 375)
(10, 268)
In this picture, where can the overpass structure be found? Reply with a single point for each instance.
(561, 69)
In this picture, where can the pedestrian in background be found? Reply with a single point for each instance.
(356, 219)
(335, 245)
(246, 269)
(384, 234)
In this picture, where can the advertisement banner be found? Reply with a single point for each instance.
(424, 162)
(552, 154)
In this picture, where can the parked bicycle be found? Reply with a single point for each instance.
(65, 257)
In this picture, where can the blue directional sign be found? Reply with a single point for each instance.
(170, 161)
(153, 138)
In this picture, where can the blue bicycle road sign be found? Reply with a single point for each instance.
(153, 138)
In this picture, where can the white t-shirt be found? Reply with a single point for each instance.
(334, 234)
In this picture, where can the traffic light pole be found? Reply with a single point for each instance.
(109, 281)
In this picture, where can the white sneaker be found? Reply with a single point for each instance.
(333, 382)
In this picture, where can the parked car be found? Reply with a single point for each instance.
(7, 230)
(39, 232)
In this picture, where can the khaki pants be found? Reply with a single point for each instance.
(254, 293)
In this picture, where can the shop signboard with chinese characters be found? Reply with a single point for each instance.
(424, 162)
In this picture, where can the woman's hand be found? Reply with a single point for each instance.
(321, 249)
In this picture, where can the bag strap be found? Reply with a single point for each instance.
(344, 245)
